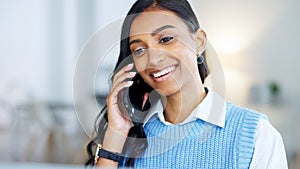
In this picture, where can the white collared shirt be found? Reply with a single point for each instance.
(269, 150)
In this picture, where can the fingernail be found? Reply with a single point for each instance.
(132, 73)
(130, 65)
(130, 82)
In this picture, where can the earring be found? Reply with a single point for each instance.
(200, 59)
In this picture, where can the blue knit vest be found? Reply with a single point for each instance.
(199, 144)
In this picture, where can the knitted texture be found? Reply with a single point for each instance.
(199, 144)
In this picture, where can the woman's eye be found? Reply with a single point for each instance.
(138, 52)
(166, 39)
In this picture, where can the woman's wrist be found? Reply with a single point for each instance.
(114, 140)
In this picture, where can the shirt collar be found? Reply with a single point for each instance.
(212, 109)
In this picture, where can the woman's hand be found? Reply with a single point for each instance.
(117, 119)
(118, 124)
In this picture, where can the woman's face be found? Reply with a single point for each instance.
(165, 51)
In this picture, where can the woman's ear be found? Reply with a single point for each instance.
(201, 41)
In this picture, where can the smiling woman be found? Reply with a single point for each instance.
(162, 53)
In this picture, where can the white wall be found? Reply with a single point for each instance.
(256, 42)
(23, 43)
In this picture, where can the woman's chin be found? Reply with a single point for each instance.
(169, 91)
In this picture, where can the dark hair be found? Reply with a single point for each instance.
(132, 148)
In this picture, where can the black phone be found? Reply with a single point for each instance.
(131, 99)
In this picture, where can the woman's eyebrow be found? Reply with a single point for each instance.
(154, 33)
(134, 41)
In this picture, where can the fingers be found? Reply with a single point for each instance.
(115, 107)
(122, 75)
(119, 87)
(123, 78)
(120, 82)
(123, 70)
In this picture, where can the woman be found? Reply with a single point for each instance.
(166, 46)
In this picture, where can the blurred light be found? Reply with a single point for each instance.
(228, 44)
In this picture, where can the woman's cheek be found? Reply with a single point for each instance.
(140, 65)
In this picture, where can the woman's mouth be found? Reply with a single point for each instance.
(163, 74)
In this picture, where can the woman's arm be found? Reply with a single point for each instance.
(269, 149)
(118, 125)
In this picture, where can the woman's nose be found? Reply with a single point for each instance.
(155, 56)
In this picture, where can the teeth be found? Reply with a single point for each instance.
(164, 72)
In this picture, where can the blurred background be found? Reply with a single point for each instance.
(257, 43)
